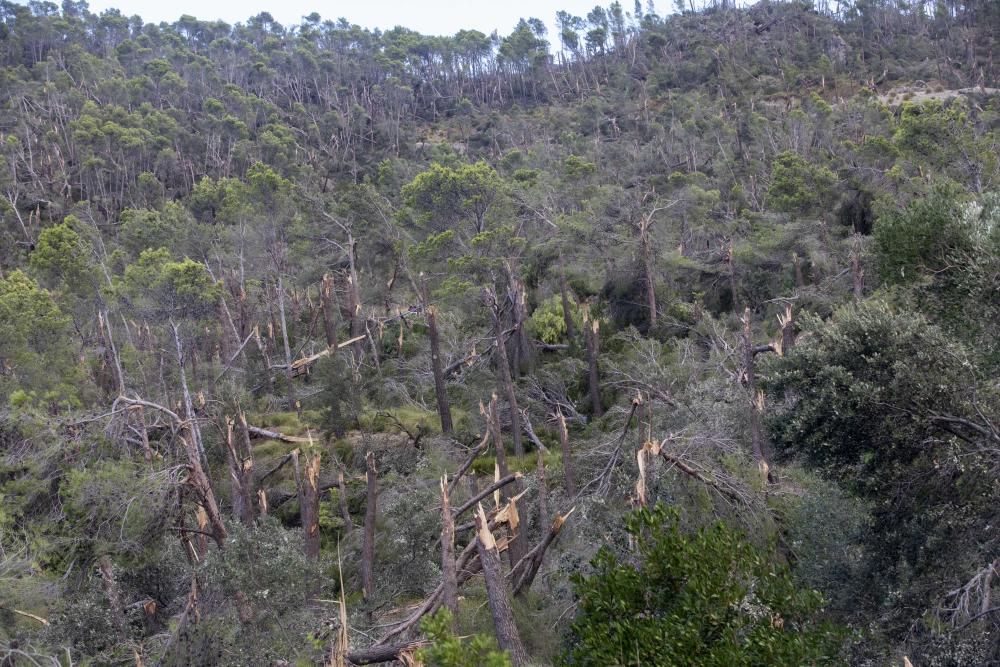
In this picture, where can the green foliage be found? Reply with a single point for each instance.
(62, 258)
(708, 598)
(171, 288)
(800, 187)
(442, 196)
(35, 357)
(919, 240)
(448, 650)
(547, 323)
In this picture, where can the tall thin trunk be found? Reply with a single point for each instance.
(189, 415)
(498, 592)
(112, 592)
(328, 307)
(292, 402)
(449, 575)
(857, 270)
(518, 545)
(240, 459)
(368, 544)
(307, 481)
(354, 299)
(345, 513)
(800, 280)
(647, 265)
(507, 385)
(440, 390)
(591, 330)
(543, 491)
(567, 313)
(755, 399)
(567, 455)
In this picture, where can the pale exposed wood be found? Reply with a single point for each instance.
(569, 473)
(449, 577)
(498, 592)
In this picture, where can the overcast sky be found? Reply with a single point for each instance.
(431, 17)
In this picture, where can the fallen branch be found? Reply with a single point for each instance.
(473, 455)
(499, 484)
(258, 432)
(384, 653)
(532, 561)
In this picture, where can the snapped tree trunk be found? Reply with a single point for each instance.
(800, 280)
(567, 313)
(507, 385)
(329, 308)
(567, 455)
(368, 544)
(307, 481)
(591, 330)
(239, 455)
(517, 546)
(449, 575)
(857, 270)
(292, 402)
(647, 265)
(354, 299)
(440, 390)
(755, 399)
(345, 514)
(498, 592)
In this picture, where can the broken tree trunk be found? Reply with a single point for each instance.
(507, 383)
(354, 300)
(307, 481)
(239, 456)
(328, 307)
(564, 297)
(857, 270)
(591, 331)
(498, 592)
(345, 514)
(368, 544)
(567, 455)
(518, 546)
(440, 389)
(112, 592)
(755, 398)
(449, 576)
(524, 574)
(292, 402)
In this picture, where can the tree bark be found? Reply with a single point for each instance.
(507, 385)
(499, 593)
(524, 574)
(112, 592)
(567, 313)
(449, 577)
(800, 280)
(857, 270)
(567, 455)
(354, 299)
(328, 307)
(647, 265)
(440, 390)
(592, 334)
(307, 481)
(755, 399)
(344, 512)
(292, 402)
(543, 491)
(239, 455)
(368, 544)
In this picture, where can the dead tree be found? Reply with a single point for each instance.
(328, 307)
(239, 456)
(503, 370)
(440, 389)
(498, 592)
(755, 398)
(307, 481)
(518, 546)
(449, 577)
(292, 402)
(591, 331)
(857, 270)
(524, 575)
(564, 297)
(345, 514)
(567, 455)
(368, 543)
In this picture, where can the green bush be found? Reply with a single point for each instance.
(708, 598)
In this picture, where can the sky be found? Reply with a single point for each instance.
(430, 17)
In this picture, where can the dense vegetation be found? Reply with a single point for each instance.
(711, 299)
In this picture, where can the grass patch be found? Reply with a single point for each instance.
(484, 465)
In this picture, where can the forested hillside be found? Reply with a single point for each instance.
(667, 339)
